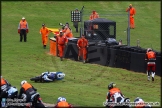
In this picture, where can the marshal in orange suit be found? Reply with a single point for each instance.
(132, 14)
(94, 15)
(82, 46)
(44, 32)
(61, 42)
(67, 32)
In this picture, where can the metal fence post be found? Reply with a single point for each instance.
(128, 29)
(81, 28)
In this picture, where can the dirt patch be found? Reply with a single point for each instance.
(49, 105)
(48, 53)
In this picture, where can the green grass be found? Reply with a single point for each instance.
(84, 84)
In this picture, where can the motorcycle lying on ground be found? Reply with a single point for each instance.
(57, 76)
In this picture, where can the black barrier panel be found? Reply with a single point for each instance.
(125, 48)
(93, 55)
(158, 66)
(138, 49)
(117, 59)
(71, 51)
(138, 63)
(117, 46)
(73, 41)
(122, 59)
(158, 54)
(108, 56)
(112, 57)
(97, 55)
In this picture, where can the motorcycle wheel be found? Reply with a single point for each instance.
(36, 79)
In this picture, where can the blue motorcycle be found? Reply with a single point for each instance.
(49, 77)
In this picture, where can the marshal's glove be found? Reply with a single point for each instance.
(27, 30)
(19, 31)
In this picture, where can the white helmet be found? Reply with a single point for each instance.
(23, 18)
(23, 82)
(149, 49)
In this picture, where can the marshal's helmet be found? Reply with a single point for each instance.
(149, 49)
(23, 82)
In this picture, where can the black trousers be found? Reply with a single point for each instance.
(3, 94)
(75, 24)
(23, 35)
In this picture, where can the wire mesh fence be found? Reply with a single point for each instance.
(102, 30)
